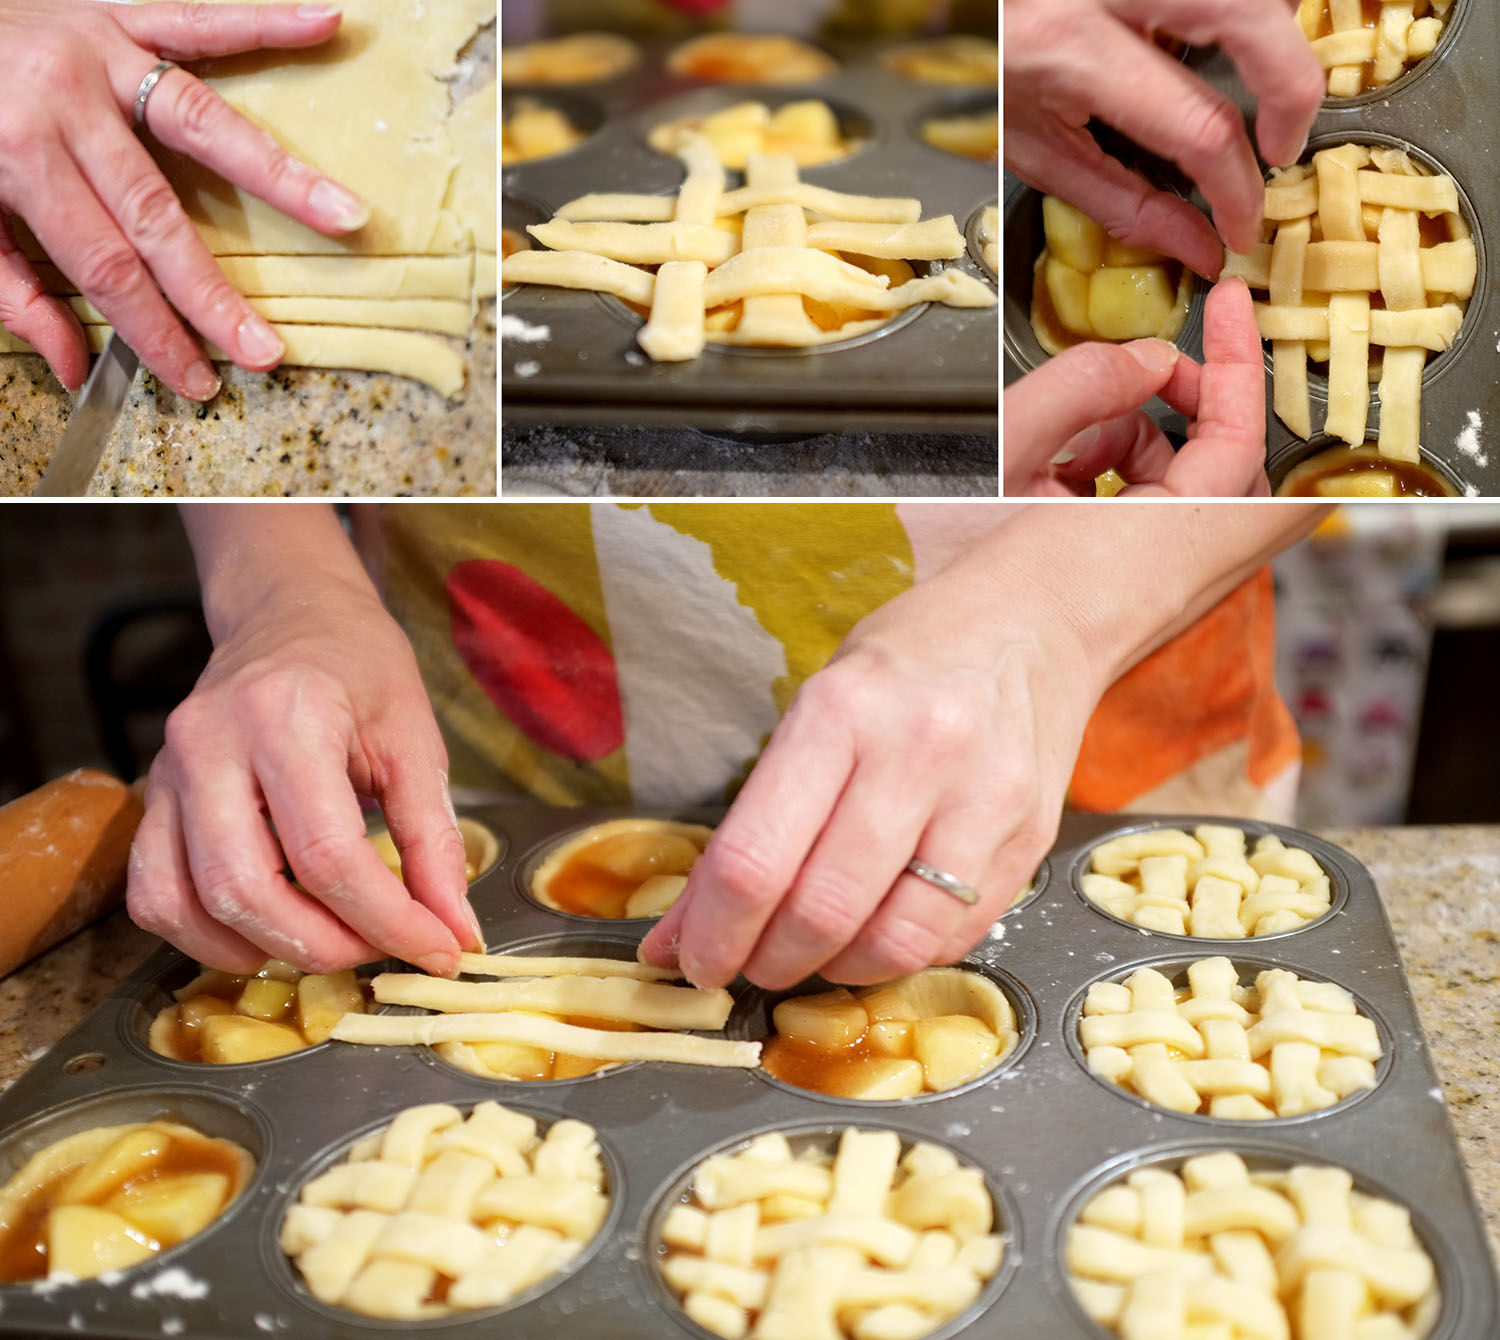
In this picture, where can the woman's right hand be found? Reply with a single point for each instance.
(312, 699)
(72, 167)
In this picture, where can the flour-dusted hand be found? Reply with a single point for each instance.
(312, 699)
(1067, 61)
(945, 728)
(72, 166)
(1080, 414)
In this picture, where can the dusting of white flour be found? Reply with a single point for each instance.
(173, 1283)
(1467, 440)
(514, 328)
(529, 368)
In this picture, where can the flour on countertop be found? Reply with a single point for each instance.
(514, 328)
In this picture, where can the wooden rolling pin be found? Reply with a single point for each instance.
(63, 854)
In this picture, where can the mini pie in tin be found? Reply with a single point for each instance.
(1205, 884)
(441, 1213)
(1279, 1048)
(1368, 265)
(1216, 1249)
(1366, 45)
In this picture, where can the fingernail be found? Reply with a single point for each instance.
(1156, 356)
(338, 207)
(438, 964)
(201, 382)
(477, 928)
(259, 344)
(318, 11)
(1080, 442)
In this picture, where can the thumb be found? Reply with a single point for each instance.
(1080, 387)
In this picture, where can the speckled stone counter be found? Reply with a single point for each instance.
(294, 432)
(1441, 887)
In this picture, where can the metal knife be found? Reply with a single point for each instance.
(77, 455)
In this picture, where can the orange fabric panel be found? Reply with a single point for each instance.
(1210, 686)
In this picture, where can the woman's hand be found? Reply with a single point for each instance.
(1079, 414)
(945, 728)
(312, 696)
(72, 167)
(1067, 61)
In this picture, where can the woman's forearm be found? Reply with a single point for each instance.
(250, 556)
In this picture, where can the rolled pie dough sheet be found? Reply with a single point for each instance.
(389, 277)
(371, 109)
(441, 316)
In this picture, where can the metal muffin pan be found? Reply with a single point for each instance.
(1445, 110)
(1040, 1127)
(938, 369)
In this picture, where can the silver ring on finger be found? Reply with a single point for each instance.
(148, 86)
(941, 879)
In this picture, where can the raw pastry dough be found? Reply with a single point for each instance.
(872, 1243)
(1278, 1048)
(1292, 1255)
(622, 868)
(750, 58)
(583, 58)
(808, 131)
(948, 60)
(441, 1213)
(441, 316)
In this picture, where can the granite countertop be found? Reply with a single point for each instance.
(1441, 888)
(540, 461)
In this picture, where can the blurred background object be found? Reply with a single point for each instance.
(525, 20)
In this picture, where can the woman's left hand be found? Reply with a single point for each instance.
(945, 728)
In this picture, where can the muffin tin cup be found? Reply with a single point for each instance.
(943, 364)
(1039, 1127)
(1447, 110)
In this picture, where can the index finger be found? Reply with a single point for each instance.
(1268, 48)
(738, 883)
(321, 830)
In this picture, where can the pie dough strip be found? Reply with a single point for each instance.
(521, 965)
(439, 316)
(531, 1030)
(1289, 357)
(1400, 264)
(1431, 328)
(637, 243)
(1348, 366)
(676, 332)
(1338, 192)
(831, 204)
(931, 240)
(97, 337)
(388, 277)
(815, 274)
(777, 315)
(1401, 403)
(1427, 195)
(703, 188)
(618, 998)
(578, 269)
(1332, 267)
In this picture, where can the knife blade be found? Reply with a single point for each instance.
(77, 455)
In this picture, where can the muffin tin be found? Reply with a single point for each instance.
(1043, 1130)
(937, 369)
(1433, 109)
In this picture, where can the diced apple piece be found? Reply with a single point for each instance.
(565, 1066)
(879, 1077)
(953, 1048)
(1069, 291)
(1364, 484)
(890, 1037)
(655, 896)
(885, 1002)
(229, 1039)
(508, 1060)
(831, 1019)
(171, 1209)
(1071, 235)
(162, 1036)
(192, 1013)
(135, 1152)
(83, 1241)
(1121, 253)
(1129, 302)
(782, 1206)
(279, 970)
(265, 998)
(323, 999)
(638, 856)
(211, 982)
(811, 120)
